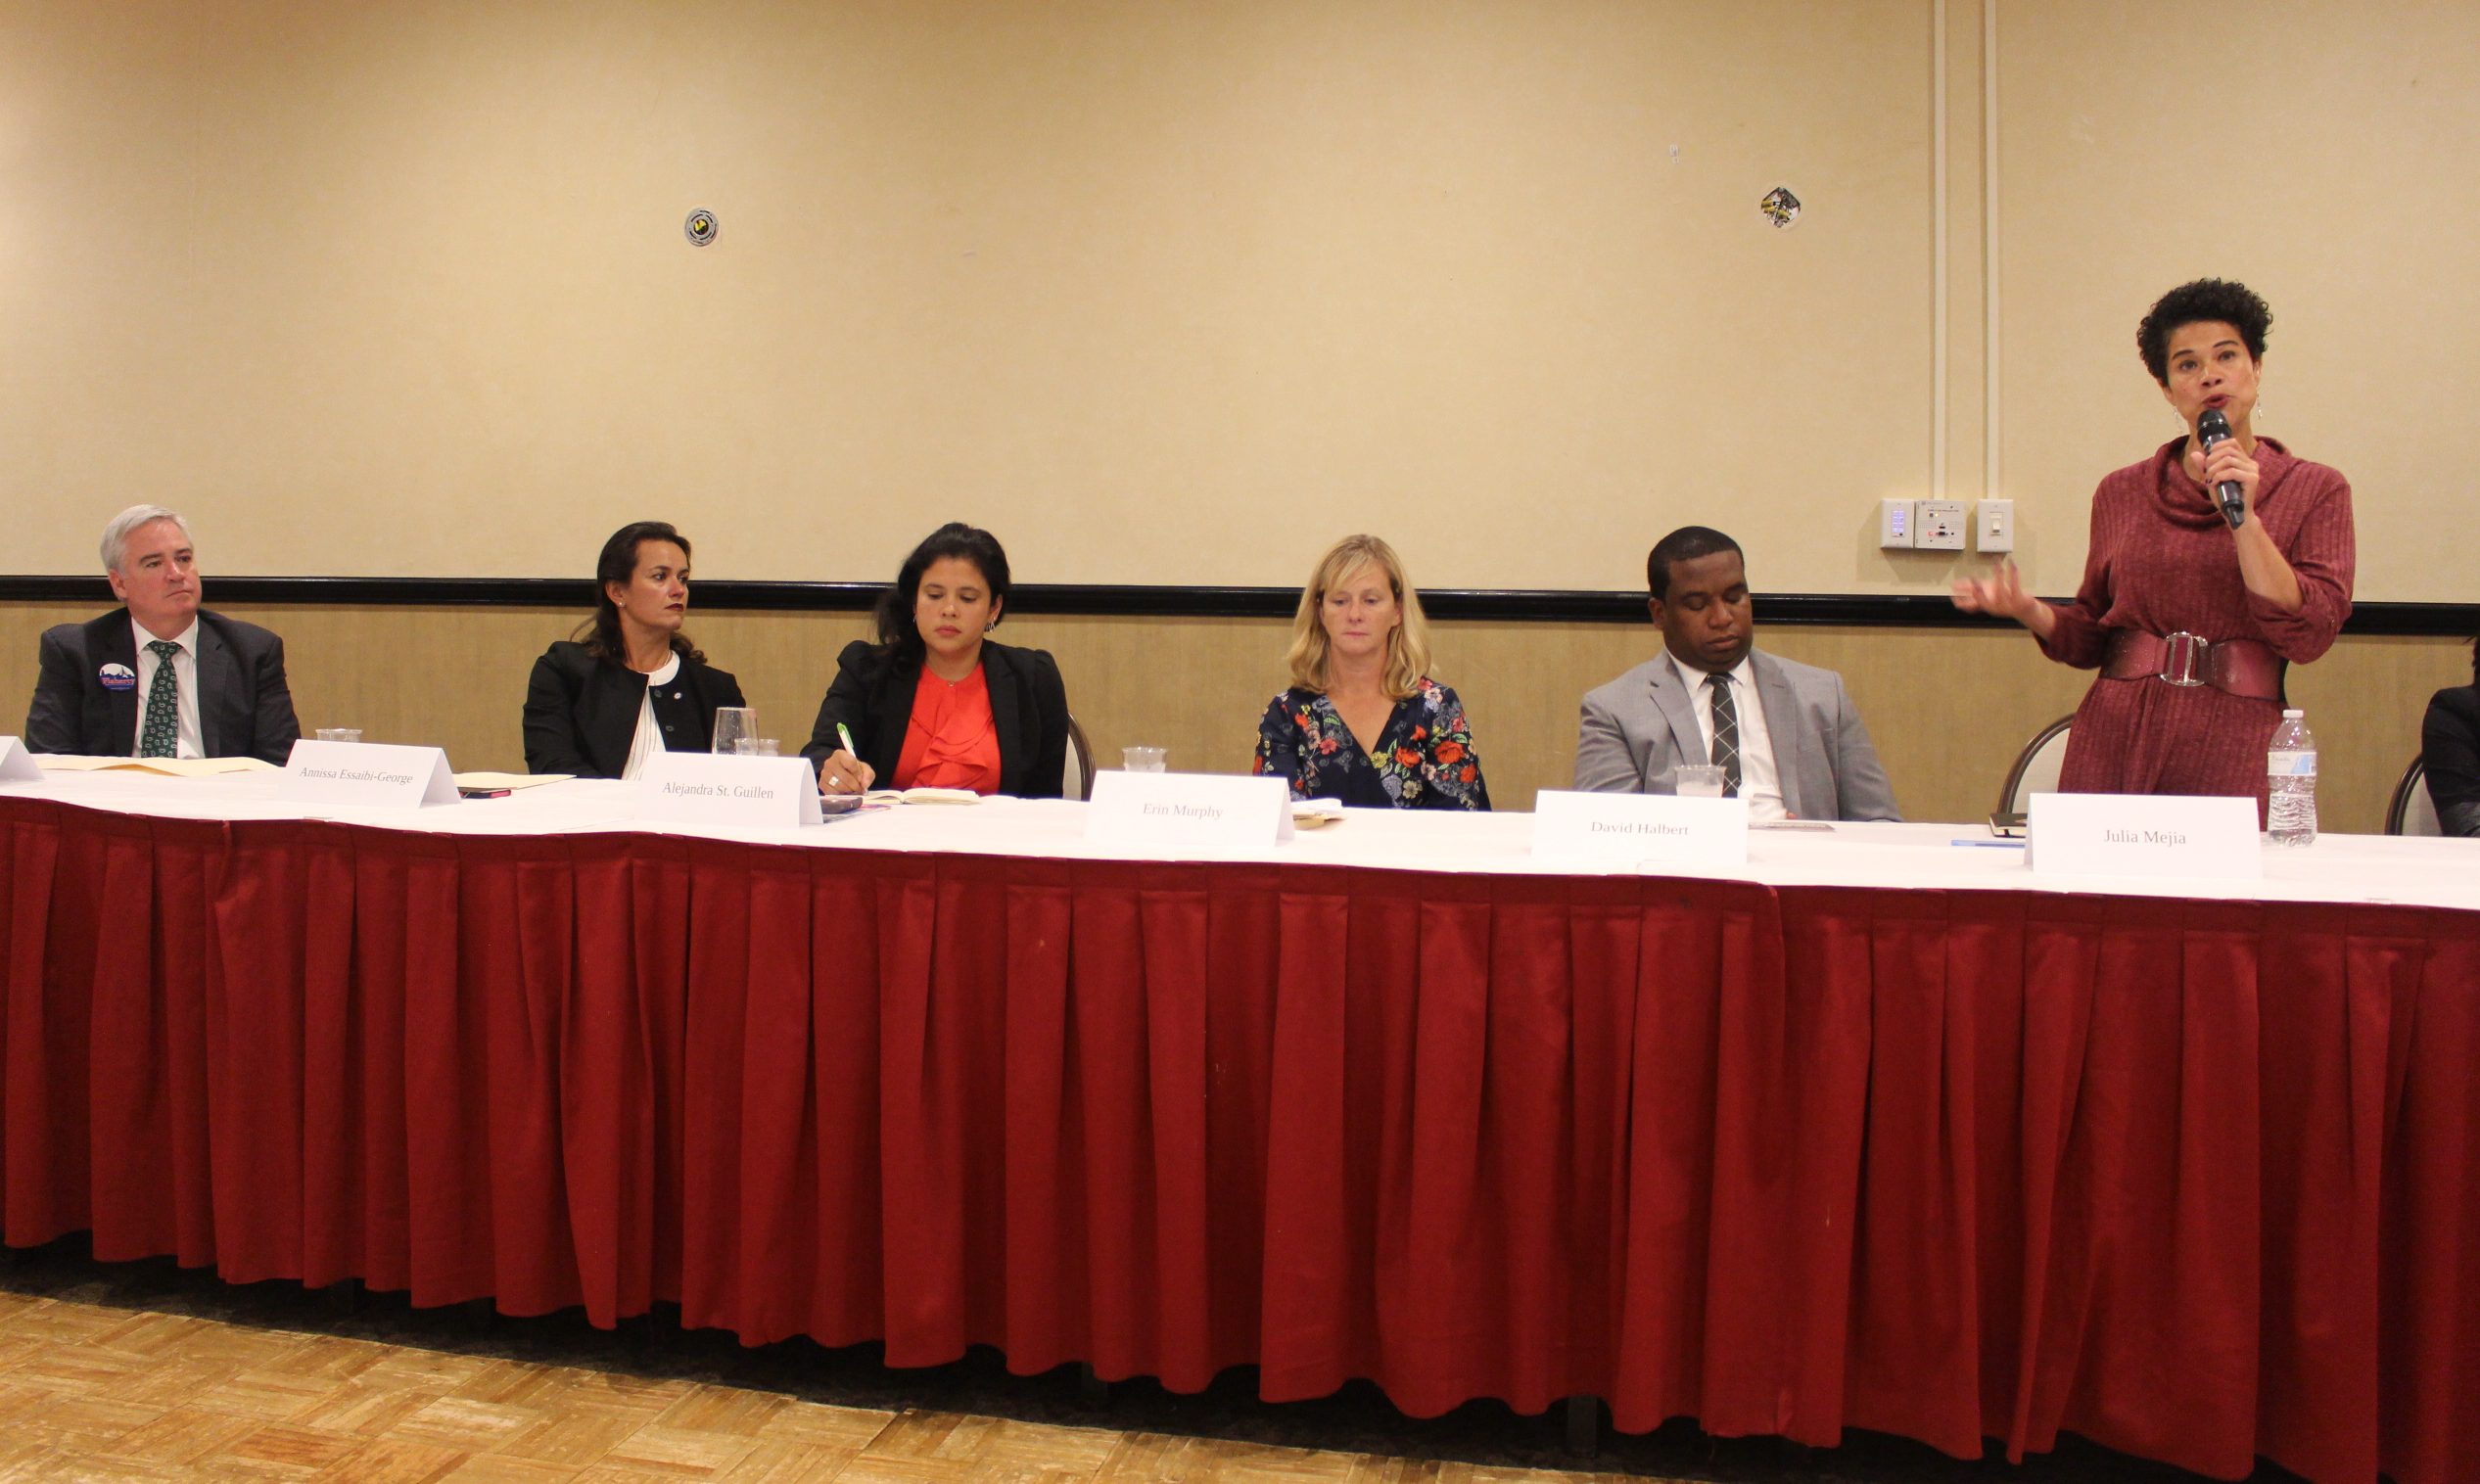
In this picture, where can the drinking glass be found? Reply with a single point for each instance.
(340, 735)
(731, 723)
(1141, 759)
(1700, 780)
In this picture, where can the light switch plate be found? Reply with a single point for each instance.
(1993, 526)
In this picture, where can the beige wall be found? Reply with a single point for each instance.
(1948, 708)
(1176, 292)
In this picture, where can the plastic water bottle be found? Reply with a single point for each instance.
(2290, 782)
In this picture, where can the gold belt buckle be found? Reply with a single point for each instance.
(2179, 662)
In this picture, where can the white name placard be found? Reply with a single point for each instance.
(709, 788)
(365, 772)
(2143, 835)
(1211, 812)
(1651, 829)
(16, 765)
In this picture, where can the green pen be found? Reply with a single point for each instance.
(843, 735)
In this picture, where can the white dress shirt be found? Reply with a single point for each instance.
(1760, 784)
(192, 742)
(650, 738)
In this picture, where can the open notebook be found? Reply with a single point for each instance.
(921, 796)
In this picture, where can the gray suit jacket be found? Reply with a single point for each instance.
(244, 706)
(1637, 729)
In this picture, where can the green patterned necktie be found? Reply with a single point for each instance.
(161, 736)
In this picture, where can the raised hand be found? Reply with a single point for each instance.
(2000, 593)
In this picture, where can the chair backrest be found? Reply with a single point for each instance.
(2412, 811)
(1076, 780)
(2036, 769)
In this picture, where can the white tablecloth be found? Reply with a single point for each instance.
(2345, 868)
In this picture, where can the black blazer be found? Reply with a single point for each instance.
(581, 712)
(244, 707)
(2449, 758)
(873, 694)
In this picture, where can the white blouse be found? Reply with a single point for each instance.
(650, 738)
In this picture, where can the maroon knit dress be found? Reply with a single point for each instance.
(2163, 560)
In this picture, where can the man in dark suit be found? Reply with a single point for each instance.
(1786, 734)
(159, 677)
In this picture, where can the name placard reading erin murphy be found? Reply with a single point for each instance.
(379, 773)
(1647, 829)
(1204, 811)
(706, 788)
(2143, 835)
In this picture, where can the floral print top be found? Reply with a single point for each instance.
(1425, 755)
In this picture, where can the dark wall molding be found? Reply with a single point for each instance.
(1499, 606)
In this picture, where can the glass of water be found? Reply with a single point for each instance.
(732, 725)
(1700, 780)
(1141, 759)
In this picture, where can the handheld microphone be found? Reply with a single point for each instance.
(2211, 429)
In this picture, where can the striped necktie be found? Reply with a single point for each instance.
(161, 735)
(1726, 734)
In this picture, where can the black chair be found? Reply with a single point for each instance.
(2036, 769)
(2412, 811)
(1077, 779)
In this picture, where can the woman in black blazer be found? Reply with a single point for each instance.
(935, 701)
(2450, 753)
(636, 685)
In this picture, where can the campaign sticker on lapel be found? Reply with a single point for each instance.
(118, 677)
(365, 772)
(16, 765)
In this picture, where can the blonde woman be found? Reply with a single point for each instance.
(1363, 724)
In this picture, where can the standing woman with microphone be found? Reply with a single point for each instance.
(2214, 565)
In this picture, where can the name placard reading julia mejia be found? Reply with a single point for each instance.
(2202, 839)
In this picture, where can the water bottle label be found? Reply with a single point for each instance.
(2290, 765)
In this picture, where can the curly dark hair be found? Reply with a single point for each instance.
(618, 563)
(896, 627)
(2207, 299)
(1685, 544)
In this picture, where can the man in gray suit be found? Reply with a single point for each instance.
(1785, 734)
(161, 677)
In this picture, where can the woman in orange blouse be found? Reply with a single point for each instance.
(935, 703)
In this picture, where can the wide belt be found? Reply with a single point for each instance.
(2235, 666)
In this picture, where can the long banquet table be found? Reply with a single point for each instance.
(1876, 1133)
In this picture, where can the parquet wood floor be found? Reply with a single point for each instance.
(141, 1371)
(92, 1391)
